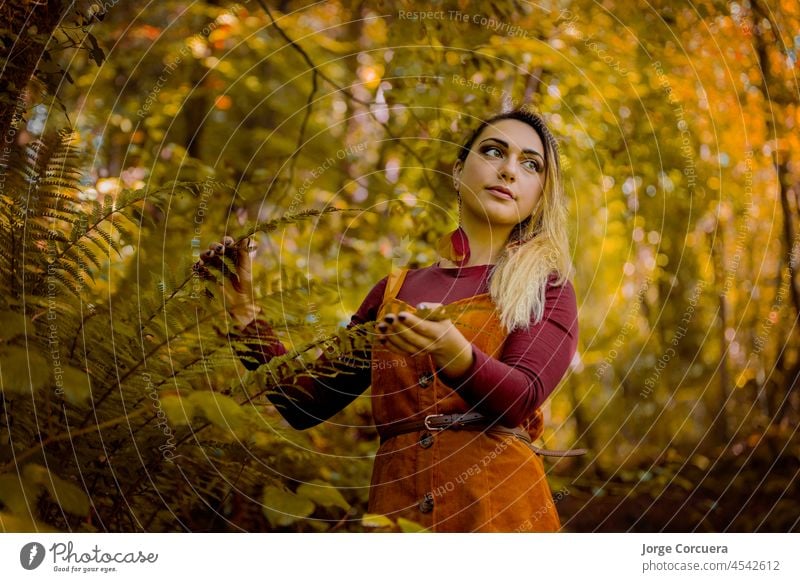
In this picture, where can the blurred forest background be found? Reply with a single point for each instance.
(133, 135)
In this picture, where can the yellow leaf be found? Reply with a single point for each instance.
(70, 497)
(76, 385)
(179, 410)
(222, 411)
(23, 524)
(260, 439)
(322, 494)
(283, 507)
(376, 520)
(13, 324)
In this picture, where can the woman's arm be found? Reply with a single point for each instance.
(309, 400)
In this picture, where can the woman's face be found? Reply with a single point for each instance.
(507, 155)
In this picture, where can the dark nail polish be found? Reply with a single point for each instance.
(389, 319)
(401, 317)
(383, 327)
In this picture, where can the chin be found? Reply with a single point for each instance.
(501, 222)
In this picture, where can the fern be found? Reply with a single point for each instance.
(102, 410)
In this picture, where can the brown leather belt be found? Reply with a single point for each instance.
(469, 421)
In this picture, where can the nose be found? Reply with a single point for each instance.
(506, 169)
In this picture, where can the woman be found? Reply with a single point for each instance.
(456, 399)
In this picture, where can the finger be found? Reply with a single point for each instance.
(211, 259)
(400, 344)
(217, 262)
(387, 338)
(240, 251)
(403, 337)
(407, 323)
(432, 311)
(227, 247)
(203, 272)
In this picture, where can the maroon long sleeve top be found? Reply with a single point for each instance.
(532, 363)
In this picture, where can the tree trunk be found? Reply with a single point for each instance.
(777, 98)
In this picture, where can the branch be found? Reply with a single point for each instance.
(296, 152)
(68, 436)
(346, 92)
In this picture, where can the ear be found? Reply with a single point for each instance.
(457, 167)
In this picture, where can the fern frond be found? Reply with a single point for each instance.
(99, 236)
(287, 219)
(61, 215)
(78, 283)
(89, 254)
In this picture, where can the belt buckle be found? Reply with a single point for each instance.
(426, 422)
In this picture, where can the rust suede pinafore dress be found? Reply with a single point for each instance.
(451, 480)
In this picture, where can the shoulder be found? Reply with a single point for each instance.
(564, 291)
(375, 295)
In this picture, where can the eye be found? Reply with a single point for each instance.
(535, 165)
(487, 149)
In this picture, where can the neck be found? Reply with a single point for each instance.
(486, 243)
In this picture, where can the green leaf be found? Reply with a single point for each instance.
(376, 520)
(22, 371)
(322, 494)
(283, 507)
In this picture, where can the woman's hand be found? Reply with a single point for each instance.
(237, 285)
(413, 335)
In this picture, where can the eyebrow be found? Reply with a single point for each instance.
(505, 145)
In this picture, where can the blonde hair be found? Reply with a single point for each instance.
(539, 245)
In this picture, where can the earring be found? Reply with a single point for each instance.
(454, 246)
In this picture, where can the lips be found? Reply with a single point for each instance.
(501, 192)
